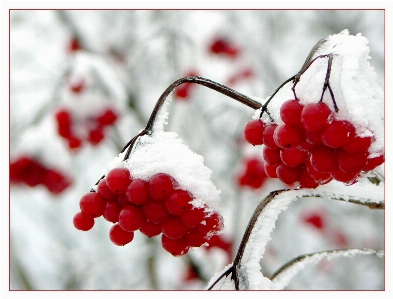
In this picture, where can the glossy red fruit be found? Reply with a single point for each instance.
(351, 163)
(178, 202)
(119, 236)
(83, 221)
(107, 118)
(338, 133)
(173, 227)
(286, 136)
(358, 144)
(161, 186)
(287, 175)
(176, 247)
(211, 224)
(193, 217)
(112, 211)
(96, 135)
(345, 177)
(131, 218)
(306, 180)
(74, 142)
(254, 175)
(315, 116)
(253, 131)
(138, 192)
(270, 170)
(92, 204)
(293, 157)
(314, 137)
(195, 238)
(155, 211)
(374, 162)
(103, 189)
(118, 180)
(271, 156)
(324, 159)
(268, 136)
(150, 229)
(320, 177)
(290, 112)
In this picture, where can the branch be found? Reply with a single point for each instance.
(282, 276)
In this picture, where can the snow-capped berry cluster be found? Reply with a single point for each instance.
(31, 172)
(311, 147)
(76, 130)
(153, 207)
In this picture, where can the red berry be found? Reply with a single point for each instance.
(176, 247)
(314, 137)
(271, 156)
(253, 132)
(306, 146)
(131, 218)
(345, 177)
(218, 241)
(64, 123)
(173, 228)
(306, 180)
(290, 112)
(150, 229)
(357, 144)
(182, 91)
(286, 136)
(374, 162)
(74, 142)
(268, 136)
(195, 238)
(320, 177)
(178, 203)
(270, 170)
(138, 192)
(83, 221)
(122, 199)
(107, 118)
(338, 133)
(323, 158)
(161, 186)
(118, 180)
(293, 157)
(316, 219)
(119, 236)
(193, 217)
(352, 162)
(103, 189)
(93, 204)
(155, 211)
(254, 175)
(55, 181)
(112, 211)
(211, 224)
(315, 116)
(287, 175)
(96, 135)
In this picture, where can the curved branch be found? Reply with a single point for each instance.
(284, 274)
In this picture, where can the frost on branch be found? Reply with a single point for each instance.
(246, 272)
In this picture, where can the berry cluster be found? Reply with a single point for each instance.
(221, 46)
(311, 147)
(29, 171)
(68, 126)
(153, 207)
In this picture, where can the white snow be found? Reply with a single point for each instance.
(164, 152)
(282, 279)
(353, 80)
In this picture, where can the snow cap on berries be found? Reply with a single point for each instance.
(359, 97)
(164, 152)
